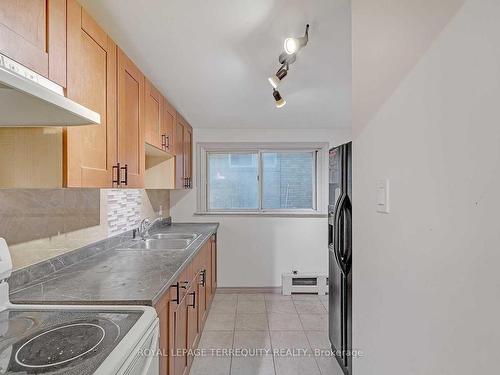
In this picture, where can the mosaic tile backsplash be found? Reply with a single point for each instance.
(124, 210)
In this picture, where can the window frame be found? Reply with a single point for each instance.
(320, 176)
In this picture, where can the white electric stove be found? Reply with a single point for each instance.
(74, 340)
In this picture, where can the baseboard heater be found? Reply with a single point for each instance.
(297, 282)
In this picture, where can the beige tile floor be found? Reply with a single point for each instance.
(267, 323)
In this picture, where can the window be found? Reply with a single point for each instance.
(288, 180)
(233, 186)
(271, 178)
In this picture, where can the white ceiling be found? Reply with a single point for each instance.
(211, 59)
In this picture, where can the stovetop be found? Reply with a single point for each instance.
(54, 342)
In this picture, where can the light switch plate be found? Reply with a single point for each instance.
(383, 196)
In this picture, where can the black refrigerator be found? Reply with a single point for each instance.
(340, 255)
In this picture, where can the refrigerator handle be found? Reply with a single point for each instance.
(343, 246)
(337, 251)
(348, 240)
(331, 228)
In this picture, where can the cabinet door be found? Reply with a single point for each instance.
(179, 324)
(163, 311)
(180, 182)
(131, 154)
(33, 32)
(90, 151)
(214, 263)
(208, 275)
(154, 115)
(202, 290)
(192, 317)
(202, 306)
(188, 152)
(168, 124)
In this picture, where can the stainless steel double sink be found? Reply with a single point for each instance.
(166, 241)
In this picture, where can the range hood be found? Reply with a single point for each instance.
(28, 99)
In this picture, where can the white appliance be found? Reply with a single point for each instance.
(75, 340)
(29, 99)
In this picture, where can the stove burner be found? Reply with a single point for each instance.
(60, 345)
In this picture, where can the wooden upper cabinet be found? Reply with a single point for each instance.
(33, 33)
(131, 154)
(154, 103)
(160, 119)
(90, 151)
(180, 182)
(167, 126)
(188, 156)
(183, 135)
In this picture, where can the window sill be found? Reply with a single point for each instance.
(265, 214)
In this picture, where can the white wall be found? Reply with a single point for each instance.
(426, 276)
(255, 251)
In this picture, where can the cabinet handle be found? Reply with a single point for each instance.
(185, 182)
(125, 181)
(177, 298)
(203, 277)
(117, 180)
(178, 286)
(194, 299)
(168, 141)
(163, 141)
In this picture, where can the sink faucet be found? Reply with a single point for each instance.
(146, 225)
(144, 228)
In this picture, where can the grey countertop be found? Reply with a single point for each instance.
(117, 276)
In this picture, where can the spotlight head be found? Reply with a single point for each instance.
(274, 81)
(280, 74)
(280, 102)
(293, 45)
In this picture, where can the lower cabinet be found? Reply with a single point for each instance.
(203, 294)
(163, 309)
(192, 318)
(177, 358)
(183, 310)
(213, 261)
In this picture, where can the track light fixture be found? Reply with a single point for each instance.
(280, 102)
(288, 57)
(280, 74)
(293, 45)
